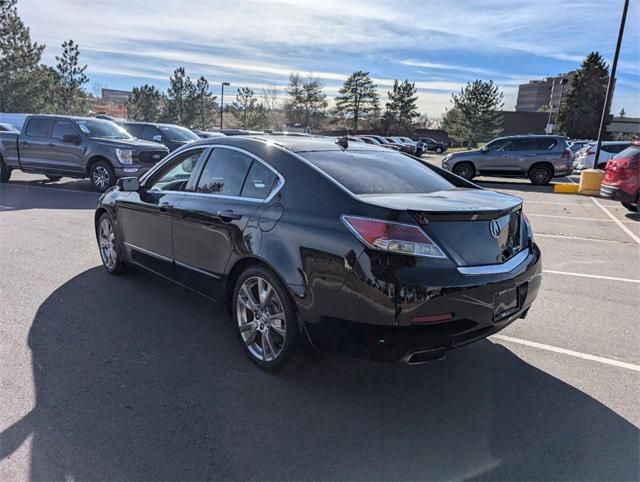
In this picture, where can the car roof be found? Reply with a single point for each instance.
(290, 143)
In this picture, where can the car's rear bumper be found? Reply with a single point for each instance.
(373, 319)
(617, 194)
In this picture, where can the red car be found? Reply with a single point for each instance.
(622, 177)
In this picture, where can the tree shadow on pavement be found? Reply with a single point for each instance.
(136, 378)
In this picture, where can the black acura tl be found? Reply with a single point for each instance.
(328, 243)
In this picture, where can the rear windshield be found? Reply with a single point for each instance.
(628, 153)
(377, 172)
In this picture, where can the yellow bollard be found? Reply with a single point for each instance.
(590, 180)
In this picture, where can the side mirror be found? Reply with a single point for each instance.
(484, 149)
(157, 138)
(128, 184)
(71, 138)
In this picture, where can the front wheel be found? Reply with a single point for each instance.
(631, 207)
(439, 150)
(465, 170)
(102, 176)
(266, 319)
(108, 244)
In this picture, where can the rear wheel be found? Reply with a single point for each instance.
(266, 319)
(53, 178)
(102, 176)
(439, 150)
(631, 207)
(540, 175)
(5, 172)
(465, 170)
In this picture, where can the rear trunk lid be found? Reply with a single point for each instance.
(474, 227)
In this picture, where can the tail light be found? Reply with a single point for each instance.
(392, 237)
(566, 154)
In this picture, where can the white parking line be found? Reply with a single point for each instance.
(563, 351)
(596, 276)
(5, 186)
(617, 221)
(586, 205)
(576, 218)
(579, 238)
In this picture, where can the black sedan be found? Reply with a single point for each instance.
(428, 144)
(321, 243)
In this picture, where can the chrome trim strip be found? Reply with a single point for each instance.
(210, 147)
(505, 267)
(147, 252)
(198, 270)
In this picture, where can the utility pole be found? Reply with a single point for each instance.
(610, 86)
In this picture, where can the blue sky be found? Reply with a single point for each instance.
(439, 45)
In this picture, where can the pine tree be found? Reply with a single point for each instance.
(25, 85)
(476, 113)
(244, 105)
(622, 113)
(71, 97)
(357, 99)
(181, 99)
(205, 104)
(581, 108)
(401, 108)
(293, 106)
(145, 104)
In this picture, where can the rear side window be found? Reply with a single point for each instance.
(134, 129)
(260, 182)
(38, 127)
(375, 172)
(544, 144)
(615, 148)
(224, 172)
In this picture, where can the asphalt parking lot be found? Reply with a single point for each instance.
(132, 377)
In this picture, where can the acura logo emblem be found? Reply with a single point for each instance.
(494, 228)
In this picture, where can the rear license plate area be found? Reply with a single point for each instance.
(505, 303)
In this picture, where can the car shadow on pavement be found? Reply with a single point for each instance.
(516, 185)
(136, 378)
(17, 196)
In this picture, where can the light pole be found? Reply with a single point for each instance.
(610, 86)
(222, 102)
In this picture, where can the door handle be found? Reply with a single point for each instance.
(24, 143)
(166, 207)
(228, 215)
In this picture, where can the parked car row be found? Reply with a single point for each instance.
(585, 157)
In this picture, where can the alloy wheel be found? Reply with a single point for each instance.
(107, 241)
(261, 319)
(101, 177)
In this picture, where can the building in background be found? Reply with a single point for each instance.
(542, 95)
(111, 102)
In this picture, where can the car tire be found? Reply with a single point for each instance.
(465, 170)
(439, 150)
(53, 178)
(5, 172)
(264, 313)
(108, 245)
(540, 175)
(102, 176)
(631, 207)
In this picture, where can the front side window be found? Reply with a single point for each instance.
(178, 134)
(175, 175)
(149, 132)
(377, 172)
(38, 127)
(63, 128)
(224, 172)
(497, 145)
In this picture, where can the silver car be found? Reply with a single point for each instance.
(540, 158)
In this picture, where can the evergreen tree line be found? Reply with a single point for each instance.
(27, 85)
